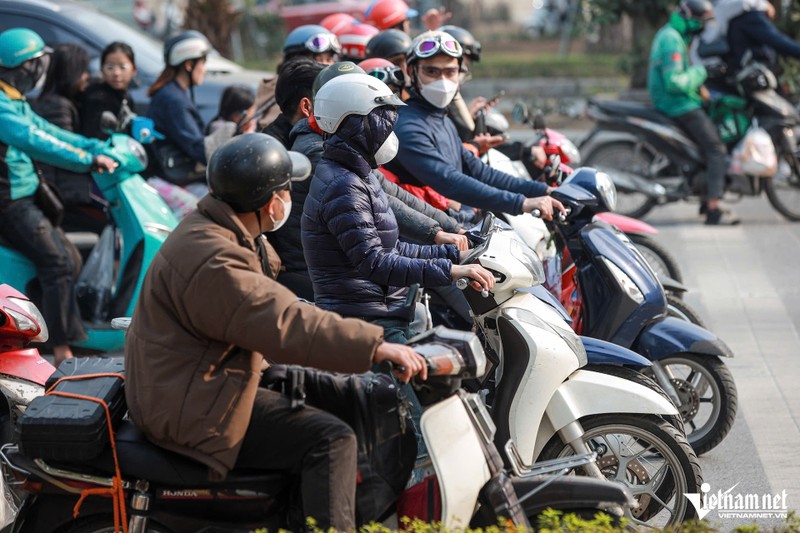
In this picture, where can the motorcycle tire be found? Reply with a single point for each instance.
(105, 524)
(723, 399)
(657, 256)
(785, 181)
(644, 433)
(622, 157)
(680, 309)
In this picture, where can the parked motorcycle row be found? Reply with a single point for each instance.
(581, 382)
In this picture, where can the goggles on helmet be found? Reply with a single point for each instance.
(323, 42)
(431, 46)
(388, 75)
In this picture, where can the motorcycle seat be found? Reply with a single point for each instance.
(141, 459)
(633, 109)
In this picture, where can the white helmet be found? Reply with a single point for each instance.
(185, 47)
(354, 94)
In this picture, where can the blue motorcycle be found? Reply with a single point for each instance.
(142, 221)
(621, 300)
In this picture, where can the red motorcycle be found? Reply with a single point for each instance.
(23, 371)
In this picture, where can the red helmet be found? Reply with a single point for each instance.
(385, 14)
(336, 22)
(354, 38)
(384, 70)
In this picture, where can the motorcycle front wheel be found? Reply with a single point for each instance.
(623, 157)
(683, 311)
(783, 189)
(708, 397)
(657, 256)
(647, 455)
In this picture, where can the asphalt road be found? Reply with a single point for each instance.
(744, 281)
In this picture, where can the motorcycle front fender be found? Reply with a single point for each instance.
(600, 352)
(626, 224)
(588, 393)
(669, 335)
(671, 285)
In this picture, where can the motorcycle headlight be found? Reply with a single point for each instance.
(138, 151)
(607, 190)
(570, 153)
(26, 324)
(628, 286)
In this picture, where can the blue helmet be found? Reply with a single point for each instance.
(311, 38)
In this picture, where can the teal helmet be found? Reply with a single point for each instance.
(19, 45)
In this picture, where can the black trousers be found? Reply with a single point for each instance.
(312, 444)
(701, 130)
(57, 262)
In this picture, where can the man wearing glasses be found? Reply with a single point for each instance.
(431, 152)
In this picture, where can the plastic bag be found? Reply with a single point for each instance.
(755, 154)
(96, 281)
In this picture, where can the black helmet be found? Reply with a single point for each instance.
(388, 43)
(700, 10)
(471, 46)
(245, 171)
(332, 71)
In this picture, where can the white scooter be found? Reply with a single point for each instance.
(168, 492)
(546, 406)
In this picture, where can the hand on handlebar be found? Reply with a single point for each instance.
(104, 163)
(461, 242)
(407, 362)
(544, 204)
(480, 278)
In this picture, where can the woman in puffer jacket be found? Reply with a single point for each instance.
(349, 233)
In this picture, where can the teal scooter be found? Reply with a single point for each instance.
(142, 220)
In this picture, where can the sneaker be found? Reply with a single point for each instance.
(721, 217)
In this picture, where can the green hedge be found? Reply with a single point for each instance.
(557, 522)
(526, 65)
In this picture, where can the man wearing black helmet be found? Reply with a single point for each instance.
(211, 316)
(676, 89)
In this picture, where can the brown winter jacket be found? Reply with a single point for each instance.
(206, 322)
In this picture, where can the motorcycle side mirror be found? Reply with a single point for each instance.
(520, 113)
(108, 122)
(538, 121)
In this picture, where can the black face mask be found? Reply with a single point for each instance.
(27, 75)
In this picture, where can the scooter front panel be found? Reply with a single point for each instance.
(457, 454)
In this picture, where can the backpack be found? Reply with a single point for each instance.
(375, 407)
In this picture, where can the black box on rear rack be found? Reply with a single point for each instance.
(61, 428)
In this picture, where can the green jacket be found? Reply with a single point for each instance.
(673, 84)
(28, 136)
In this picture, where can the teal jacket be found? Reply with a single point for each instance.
(24, 136)
(673, 83)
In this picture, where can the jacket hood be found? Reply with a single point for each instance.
(358, 138)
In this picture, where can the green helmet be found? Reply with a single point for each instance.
(333, 71)
(19, 45)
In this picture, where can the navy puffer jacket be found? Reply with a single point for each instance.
(350, 235)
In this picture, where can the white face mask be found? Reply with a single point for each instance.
(440, 92)
(388, 150)
(287, 209)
